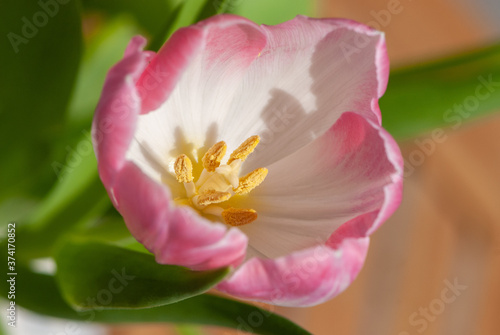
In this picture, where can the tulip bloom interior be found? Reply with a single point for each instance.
(255, 147)
(217, 184)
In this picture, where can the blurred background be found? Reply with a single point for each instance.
(434, 267)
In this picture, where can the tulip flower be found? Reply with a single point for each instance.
(254, 147)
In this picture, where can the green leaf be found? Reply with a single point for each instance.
(172, 23)
(109, 228)
(214, 7)
(191, 11)
(129, 279)
(16, 209)
(185, 13)
(428, 96)
(272, 12)
(39, 293)
(102, 51)
(75, 175)
(41, 50)
(76, 199)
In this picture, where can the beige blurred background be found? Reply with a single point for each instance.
(447, 231)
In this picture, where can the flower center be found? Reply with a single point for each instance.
(218, 183)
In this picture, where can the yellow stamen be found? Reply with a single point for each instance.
(245, 149)
(183, 169)
(212, 158)
(218, 182)
(251, 181)
(212, 197)
(238, 216)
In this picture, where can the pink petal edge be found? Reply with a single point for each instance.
(366, 224)
(304, 278)
(218, 34)
(116, 114)
(381, 60)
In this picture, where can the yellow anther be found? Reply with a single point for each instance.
(251, 181)
(212, 197)
(218, 182)
(211, 160)
(239, 217)
(245, 149)
(183, 169)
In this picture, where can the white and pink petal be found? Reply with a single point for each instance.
(305, 278)
(350, 171)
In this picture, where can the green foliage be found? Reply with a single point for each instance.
(102, 51)
(45, 298)
(272, 12)
(130, 279)
(215, 7)
(40, 57)
(187, 12)
(423, 97)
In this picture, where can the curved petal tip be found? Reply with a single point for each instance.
(305, 278)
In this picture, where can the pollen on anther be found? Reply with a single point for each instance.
(212, 197)
(239, 217)
(251, 181)
(183, 169)
(212, 158)
(245, 149)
